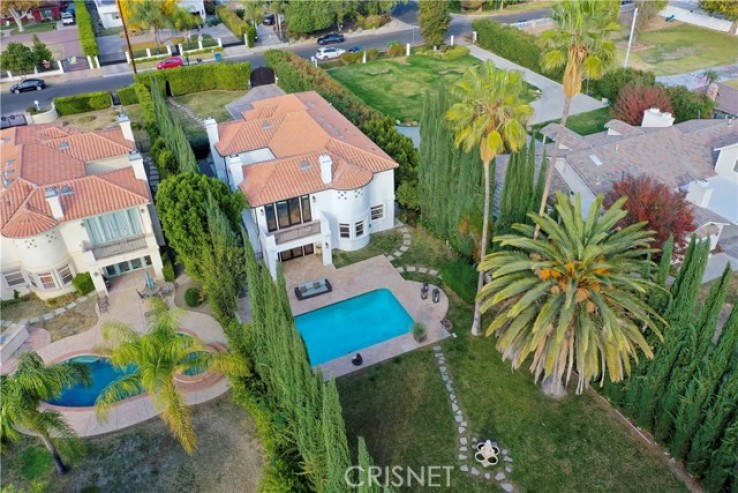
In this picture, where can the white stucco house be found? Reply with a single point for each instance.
(699, 157)
(109, 15)
(73, 202)
(313, 180)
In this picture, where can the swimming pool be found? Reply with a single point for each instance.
(102, 373)
(351, 325)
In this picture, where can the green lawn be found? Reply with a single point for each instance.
(40, 27)
(682, 48)
(210, 103)
(577, 445)
(732, 83)
(379, 243)
(396, 86)
(588, 123)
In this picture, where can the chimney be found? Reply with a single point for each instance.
(52, 198)
(654, 118)
(699, 193)
(219, 162)
(137, 164)
(326, 168)
(125, 127)
(235, 171)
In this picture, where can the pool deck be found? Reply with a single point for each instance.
(359, 278)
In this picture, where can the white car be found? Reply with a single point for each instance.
(329, 53)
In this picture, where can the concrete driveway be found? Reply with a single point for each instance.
(63, 43)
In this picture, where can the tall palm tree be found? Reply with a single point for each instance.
(573, 298)
(157, 357)
(489, 112)
(22, 393)
(581, 42)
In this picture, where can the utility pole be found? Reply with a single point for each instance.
(630, 39)
(128, 41)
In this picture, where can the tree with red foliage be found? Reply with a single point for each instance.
(666, 211)
(633, 100)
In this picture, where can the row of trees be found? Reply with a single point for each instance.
(307, 16)
(155, 16)
(171, 132)
(21, 59)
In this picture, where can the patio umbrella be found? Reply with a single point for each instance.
(149, 281)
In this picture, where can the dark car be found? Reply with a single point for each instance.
(28, 85)
(169, 63)
(269, 20)
(331, 38)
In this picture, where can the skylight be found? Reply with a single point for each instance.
(596, 160)
(304, 165)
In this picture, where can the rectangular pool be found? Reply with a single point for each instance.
(351, 325)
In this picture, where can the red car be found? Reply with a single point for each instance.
(169, 63)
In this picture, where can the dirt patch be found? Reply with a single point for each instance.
(75, 321)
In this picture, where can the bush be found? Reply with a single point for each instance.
(83, 283)
(373, 21)
(297, 74)
(420, 332)
(197, 78)
(127, 95)
(85, 29)
(610, 84)
(689, 105)
(193, 297)
(395, 50)
(455, 52)
(237, 26)
(82, 103)
(372, 54)
(633, 100)
(168, 269)
(352, 58)
(462, 278)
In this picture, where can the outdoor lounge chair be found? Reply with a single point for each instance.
(436, 295)
(424, 291)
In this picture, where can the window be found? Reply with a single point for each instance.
(359, 228)
(113, 227)
(14, 278)
(288, 213)
(271, 218)
(344, 230)
(283, 214)
(295, 214)
(47, 280)
(735, 166)
(377, 212)
(65, 274)
(306, 214)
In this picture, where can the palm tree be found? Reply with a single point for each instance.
(183, 21)
(22, 393)
(150, 15)
(489, 112)
(573, 298)
(581, 42)
(157, 357)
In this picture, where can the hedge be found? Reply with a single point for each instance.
(296, 74)
(237, 26)
(85, 29)
(197, 78)
(83, 283)
(689, 105)
(82, 103)
(610, 84)
(127, 95)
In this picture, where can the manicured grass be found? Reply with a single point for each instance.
(210, 103)
(41, 27)
(588, 123)
(402, 410)
(396, 86)
(491, 9)
(732, 83)
(379, 244)
(682, 48)
(147, 458)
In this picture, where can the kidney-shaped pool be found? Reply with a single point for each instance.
(102, 373)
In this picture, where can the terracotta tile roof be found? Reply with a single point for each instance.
(299, 128)
(33, 159)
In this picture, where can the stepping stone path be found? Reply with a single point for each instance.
(467, 463)
(406, 242)
(48, 316)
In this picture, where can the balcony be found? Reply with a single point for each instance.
(296, 232)
(113, 248)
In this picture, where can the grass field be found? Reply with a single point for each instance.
(396, 87)
(588, 123)
(402, 410)
(210, 103)
(40, 27)
(681, 48)
(732, 83)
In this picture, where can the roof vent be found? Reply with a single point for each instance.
(304, 165)
(6, 182)
(66, 190)
(595, 159)
(64, 146)
(9, 162)
(51, 192)
(266, 125)
(4, 140)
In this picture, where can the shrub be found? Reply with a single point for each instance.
(237, 25)
(373, 21)
(633, 100)
(395, 50)
(197, 78)
(168, 269)
(610, 84)
(127, 95)
(297, 74)
(462, 278)
(455, 52)
(420, 332)
(82, 103)
(372, 54)
(689, 105)
(85, 29)
(352, 58)
(193, 297)
(83, 283)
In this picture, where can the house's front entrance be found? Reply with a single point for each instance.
(296, 252)
(122, 268)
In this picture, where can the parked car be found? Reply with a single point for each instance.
(28, 85)
(169, 63)
(269, 20)
(329, 53)
(67, 19)
(331, 38)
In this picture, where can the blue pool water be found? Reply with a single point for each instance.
(352, 325)
(102, 373)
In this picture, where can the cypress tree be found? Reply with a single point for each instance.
(723, 473)
(364, 479)
(337, 459)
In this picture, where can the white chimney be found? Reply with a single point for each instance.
(235, 171)
(654, 118)
(326, 168)
(219, 162)
(52, 198)
(125, 127)
(137, 164)
(699, 193)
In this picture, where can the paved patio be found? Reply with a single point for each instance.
(354, 280)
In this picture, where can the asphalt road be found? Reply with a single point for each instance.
(460, 25)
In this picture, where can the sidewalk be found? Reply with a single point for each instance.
(695, 80)
(551, 103)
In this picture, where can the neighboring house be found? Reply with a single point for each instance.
(39, 12)
(699, 157)
(313, 181)
(73, 202)
(109, 15)
(726, 101)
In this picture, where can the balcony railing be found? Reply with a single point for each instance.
(296, 232)
(117, 247)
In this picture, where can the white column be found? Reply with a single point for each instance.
(407, 49)
(452, 40)
(35, 70)
(97, 61)
(148, 52)
(128, 57)
(169, 50)
(181, 51)
(61, 66)
(474, 36)
(199, 42)
(89, 62)
(220, 42)
(363, 59)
